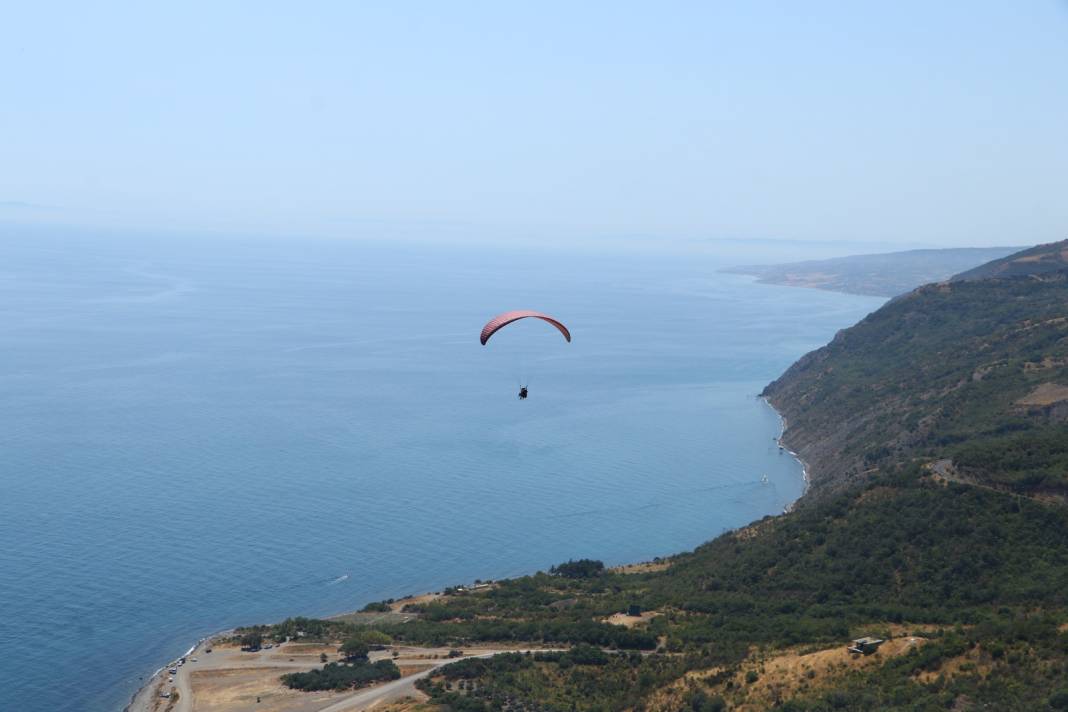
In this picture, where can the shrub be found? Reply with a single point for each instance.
(336, 676)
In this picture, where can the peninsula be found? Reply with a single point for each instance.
(879, 275)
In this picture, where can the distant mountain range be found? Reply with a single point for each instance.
(881, 275)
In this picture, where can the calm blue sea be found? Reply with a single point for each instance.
(202, 434)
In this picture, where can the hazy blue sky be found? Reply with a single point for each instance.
(914, 122)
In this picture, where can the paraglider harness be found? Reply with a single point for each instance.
(522, 393)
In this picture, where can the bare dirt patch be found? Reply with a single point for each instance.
(644, 567)
(308, 648)
(780, 676)
(975, 660)
(398, 606)
(1046, 363)
(1045, 394)
(307, 654)
(1055, 321)
(752, 531)
(785, 675)
(631, 621)
(409, 705)
(237, 690)
(406, 670)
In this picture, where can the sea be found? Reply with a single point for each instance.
(201, 433)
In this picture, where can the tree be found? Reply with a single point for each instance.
(375, 639)
(251, 641)
(583, 568)
(1059, 699)
(354, 649)
(333, 676)
(378, 607)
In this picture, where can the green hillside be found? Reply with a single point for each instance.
(971, 374)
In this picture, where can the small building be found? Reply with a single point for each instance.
(865, 646)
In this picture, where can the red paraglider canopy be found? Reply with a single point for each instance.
(506, 318)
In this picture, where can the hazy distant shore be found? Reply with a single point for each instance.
(878, 275)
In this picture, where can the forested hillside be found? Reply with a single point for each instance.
(971, 375)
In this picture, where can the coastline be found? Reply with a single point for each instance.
(780, 440)
(152, 680)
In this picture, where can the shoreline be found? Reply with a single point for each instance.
(786, 510)
(151, 679)
(782, 445)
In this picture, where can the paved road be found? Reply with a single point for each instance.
(398, 689)
(395, 690)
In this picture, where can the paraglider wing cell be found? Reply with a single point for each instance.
(501, 320)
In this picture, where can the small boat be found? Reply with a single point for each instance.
(764, 479)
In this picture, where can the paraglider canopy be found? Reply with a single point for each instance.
(502, 320)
